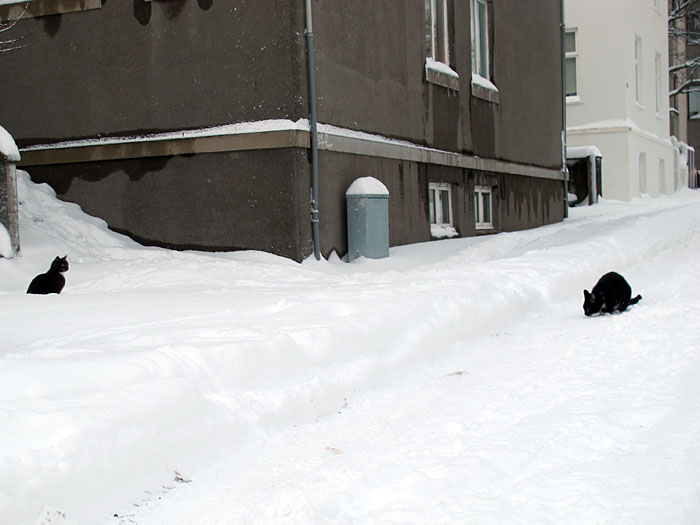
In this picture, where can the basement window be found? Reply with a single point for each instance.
(483, 208)
(440, 202)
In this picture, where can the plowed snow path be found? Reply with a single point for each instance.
(547, 418)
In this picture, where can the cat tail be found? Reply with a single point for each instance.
(636, 299)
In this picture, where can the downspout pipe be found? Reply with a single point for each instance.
(593, 191)
(313, 129)
(563, 112)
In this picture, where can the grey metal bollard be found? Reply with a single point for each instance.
(368, 219)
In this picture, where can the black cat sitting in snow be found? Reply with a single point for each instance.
(611, 294)
(51, 281)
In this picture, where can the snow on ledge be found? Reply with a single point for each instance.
(581, 152)
(259, 126)
(442, 232)
(8, 148)
(440, 67)
(5, 243)
(483, 82)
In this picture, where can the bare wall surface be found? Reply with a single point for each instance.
(520, 202)
(135, 66)
(223, 201)
(371, 76)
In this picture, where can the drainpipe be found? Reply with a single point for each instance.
(313, 128)
(563, 112)
(593, 190)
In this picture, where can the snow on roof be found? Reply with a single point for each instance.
(367, 186)
(581, 152)
(8, 148)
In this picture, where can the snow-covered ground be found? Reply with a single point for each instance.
(455, 382)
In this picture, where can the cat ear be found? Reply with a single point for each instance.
(586, 294)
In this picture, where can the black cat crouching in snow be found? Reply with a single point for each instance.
(51, 281)
(611, 294)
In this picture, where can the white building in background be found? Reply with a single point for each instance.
(617, 92)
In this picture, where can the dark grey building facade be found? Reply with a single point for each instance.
(184, 123)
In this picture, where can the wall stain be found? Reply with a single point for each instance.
(52, 24)
(173, 8)
(142, 12)
(135, 169)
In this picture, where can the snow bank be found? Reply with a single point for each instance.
(8, 148)
(153, 362)
(5, 242)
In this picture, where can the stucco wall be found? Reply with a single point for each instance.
(134, 66)
(520, 202)
(371, 76)
(255, 200)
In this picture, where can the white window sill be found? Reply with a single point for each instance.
(574, 99)
(485, 89)
(484, 227)
(441, 74)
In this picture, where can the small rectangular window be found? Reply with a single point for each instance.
(570, 64)
(638, 68)
(483, 208)
(480, 38)
(440, 42)
(440, 196)
(643, 173)
(659, 79)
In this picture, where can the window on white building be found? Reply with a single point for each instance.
(483, 208)
(570, 63)
(638, 69)
(658, 74)
(642, 173)
(694, 104)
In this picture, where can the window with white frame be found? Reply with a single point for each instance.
(438, 67)
(571, 63)
(642, 173)
(694, 104)
(440, 203)
(480, 38)
(440, 42)
(659, 86)
(440, 196)
(638, 69)
(483, 208)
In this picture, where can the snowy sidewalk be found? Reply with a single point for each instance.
(456, 381)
